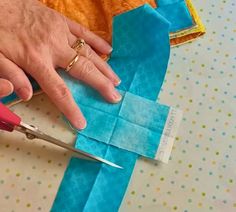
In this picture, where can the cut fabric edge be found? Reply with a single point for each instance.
(169, 134)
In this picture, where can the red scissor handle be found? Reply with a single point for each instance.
(8, 119)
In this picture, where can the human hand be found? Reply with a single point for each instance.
(36, 40)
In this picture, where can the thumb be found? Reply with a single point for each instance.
(6, 88)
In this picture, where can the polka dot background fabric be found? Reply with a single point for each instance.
(201, 174)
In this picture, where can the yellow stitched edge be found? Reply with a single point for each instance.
(198, 28)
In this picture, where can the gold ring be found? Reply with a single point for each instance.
(79, 43)
(73, 61)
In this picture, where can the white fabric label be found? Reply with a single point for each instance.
(168, 136)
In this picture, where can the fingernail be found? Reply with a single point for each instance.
(6, 88)
(111, 49)
(116, 96)
(117, 81)
(81, 124)
(24, 93)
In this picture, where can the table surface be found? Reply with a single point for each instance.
(201, 174)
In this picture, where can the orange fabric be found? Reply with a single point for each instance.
(96, 15)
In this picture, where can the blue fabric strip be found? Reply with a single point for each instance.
(140, 60)
(90, 186)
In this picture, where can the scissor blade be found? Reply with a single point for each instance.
(32, 131)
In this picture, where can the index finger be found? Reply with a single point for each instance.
(53, 85)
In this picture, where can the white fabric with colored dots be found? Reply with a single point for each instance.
(201, 174)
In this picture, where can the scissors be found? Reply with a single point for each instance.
(9, 121)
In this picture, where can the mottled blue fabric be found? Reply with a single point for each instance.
(140, 58)
(113, 124)
(177, 13)
(89, 186)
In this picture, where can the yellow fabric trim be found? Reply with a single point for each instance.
(192, 33)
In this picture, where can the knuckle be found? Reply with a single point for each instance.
(38, 67)
(83, 31)
(88, 52)
(61, 92)
(87, 68)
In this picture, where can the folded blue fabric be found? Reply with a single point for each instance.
(140, 58)
(177, 13)
(127, 119)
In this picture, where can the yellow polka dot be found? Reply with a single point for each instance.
(50, 186)
(200, 204)
(234, 205)
(17, 200)
(213, 162)
(28, 205)
(18, 174)
(203, 194)
(158, 189)
(190, 166)
(175, 208)
(193, 189)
